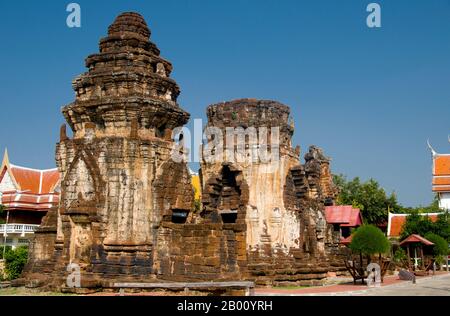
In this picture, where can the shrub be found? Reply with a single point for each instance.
(440, 247)
(15, 260)
(369, 240)
(7, 248)
(399, 255)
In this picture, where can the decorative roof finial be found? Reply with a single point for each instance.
(433, 152)
(5, 161)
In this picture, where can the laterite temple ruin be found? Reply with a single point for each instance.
(126, 211)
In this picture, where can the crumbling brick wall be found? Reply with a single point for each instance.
(288, 239)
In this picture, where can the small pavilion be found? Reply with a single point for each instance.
(415, 245)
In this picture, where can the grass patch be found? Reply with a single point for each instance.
(22, 291)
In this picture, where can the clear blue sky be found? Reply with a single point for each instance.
(369, 97)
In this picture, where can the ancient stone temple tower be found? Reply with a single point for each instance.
(118, 178)
(261, 175)
(126, 210)
(261, 183)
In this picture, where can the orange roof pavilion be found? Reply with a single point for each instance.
(441, 173)
(28, 189)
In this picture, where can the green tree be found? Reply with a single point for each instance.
(432, 208)
(416, 224)
(369, 240)
(375, 204)
(368, 196)
(442, 226)
(423, 225)
(440, 247)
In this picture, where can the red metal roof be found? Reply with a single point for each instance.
(414, 238)
(355, 218)
(345, 215)
(338, 214)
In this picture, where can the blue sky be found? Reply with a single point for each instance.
(369, 97)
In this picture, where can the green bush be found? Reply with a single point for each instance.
(399, 255)
(440, 247)
(369, 240)
(7, 248)
(15, 260)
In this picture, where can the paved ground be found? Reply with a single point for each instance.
(438, 285)
(432, 286)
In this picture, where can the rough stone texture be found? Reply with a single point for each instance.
(280, 202)
(118, 179)
(126, 208)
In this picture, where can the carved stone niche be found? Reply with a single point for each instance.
(224, 194)
(80, 239)
(173, 193)
(275, 223)
(82, 193)
(254, 230)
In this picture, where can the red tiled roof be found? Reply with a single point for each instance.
(50, 180)
(441, 173)
(414, 238)
(33, 189)
(35, 181)
(396, 222)
(345, 215)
